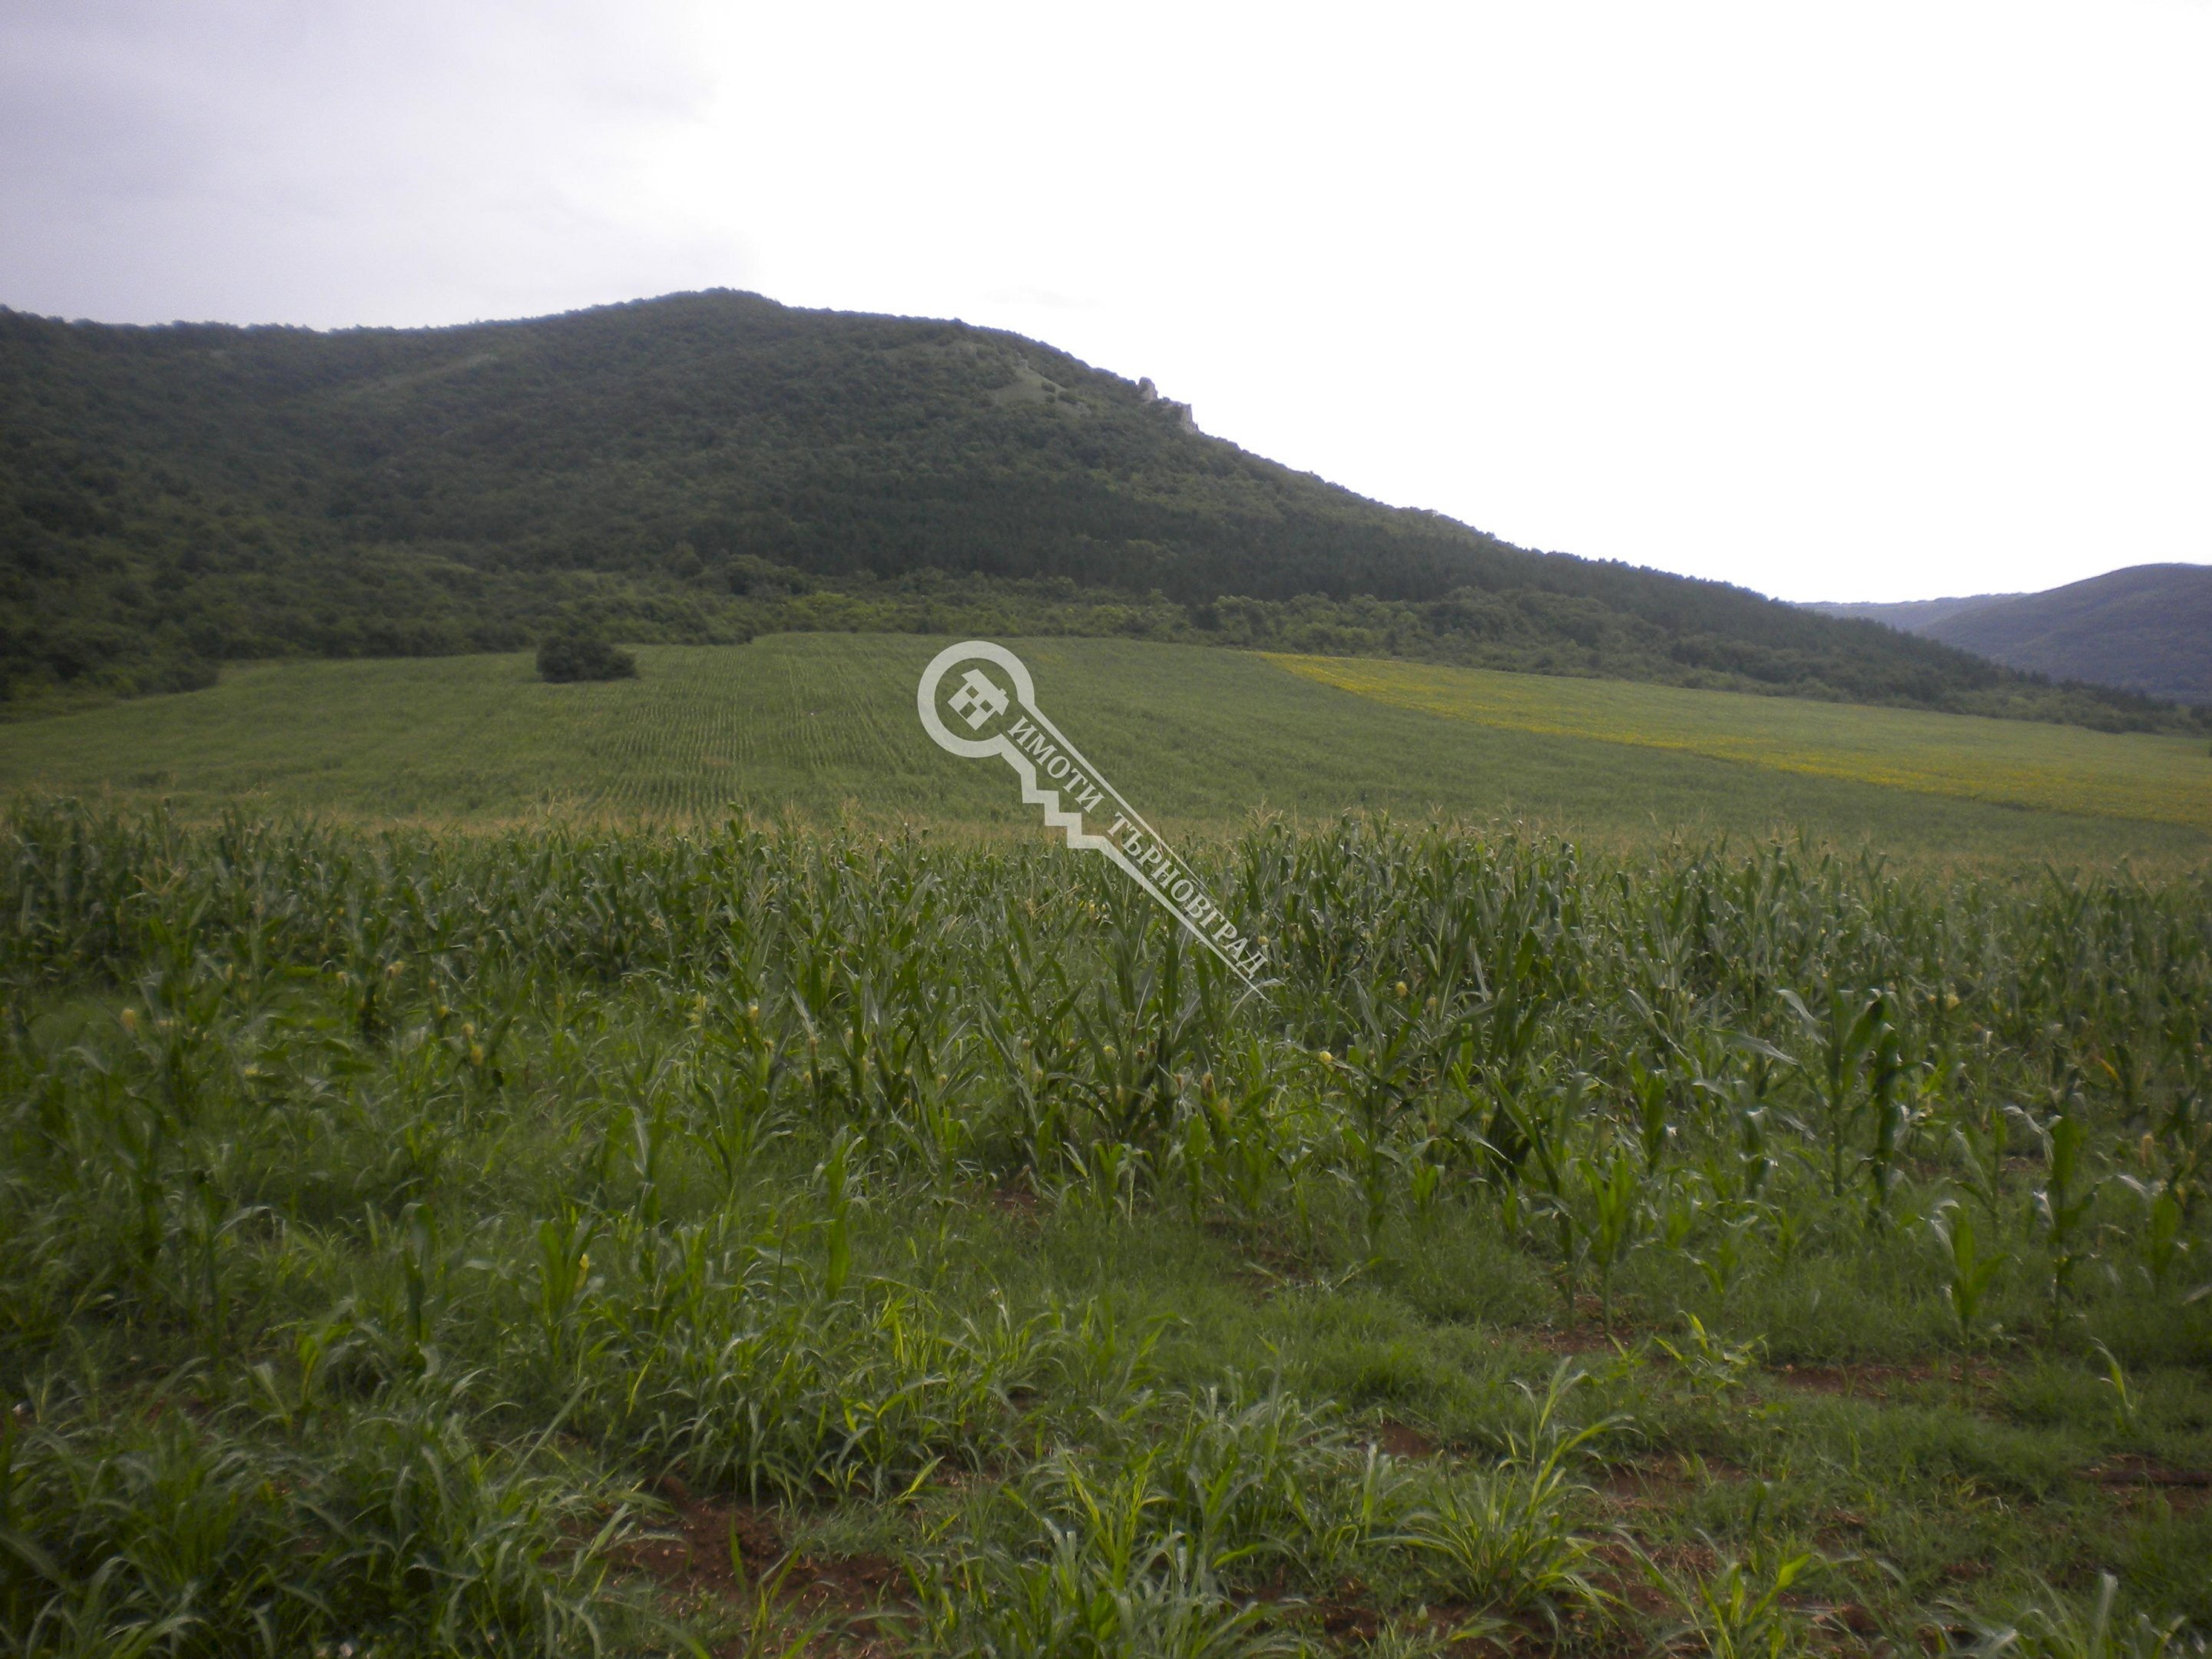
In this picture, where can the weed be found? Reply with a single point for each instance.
(1502, 1541)
(2051, 1626)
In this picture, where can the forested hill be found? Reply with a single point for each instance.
(709, 466)
(2146, 628)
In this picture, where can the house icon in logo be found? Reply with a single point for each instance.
(979, 699)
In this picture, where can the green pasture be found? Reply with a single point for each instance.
(823, 724)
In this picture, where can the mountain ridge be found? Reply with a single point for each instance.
(2144, 627)
(1913, 615)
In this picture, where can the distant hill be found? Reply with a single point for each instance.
(708, 466)
(1913, 615)
(2146, 629)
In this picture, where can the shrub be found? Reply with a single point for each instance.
(578, 655)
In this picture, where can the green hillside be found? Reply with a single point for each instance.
(2146, 628)
(709, 466)
(825, 725)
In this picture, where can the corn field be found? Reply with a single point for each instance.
(402, 1232)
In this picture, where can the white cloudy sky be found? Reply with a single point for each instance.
(1876, 299)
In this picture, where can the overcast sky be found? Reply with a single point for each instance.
(1851, 300)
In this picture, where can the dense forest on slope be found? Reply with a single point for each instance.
(2146, 629)
(709, 466)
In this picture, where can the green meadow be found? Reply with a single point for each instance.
(823, 726)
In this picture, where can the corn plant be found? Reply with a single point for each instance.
(2161, 1240)
(1970, 1269)
(1613, 1216)
(2064, 1199)
(1858, 1069)
(1738, 1611)
(563, 1282)
(2127, 1408)
(1714, 1367)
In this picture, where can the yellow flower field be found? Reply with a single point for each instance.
(2167, 779)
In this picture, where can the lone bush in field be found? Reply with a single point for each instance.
(580, 654)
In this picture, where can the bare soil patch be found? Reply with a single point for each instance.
(1878, 1381)
(691, 1557)
(1402, 1440)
